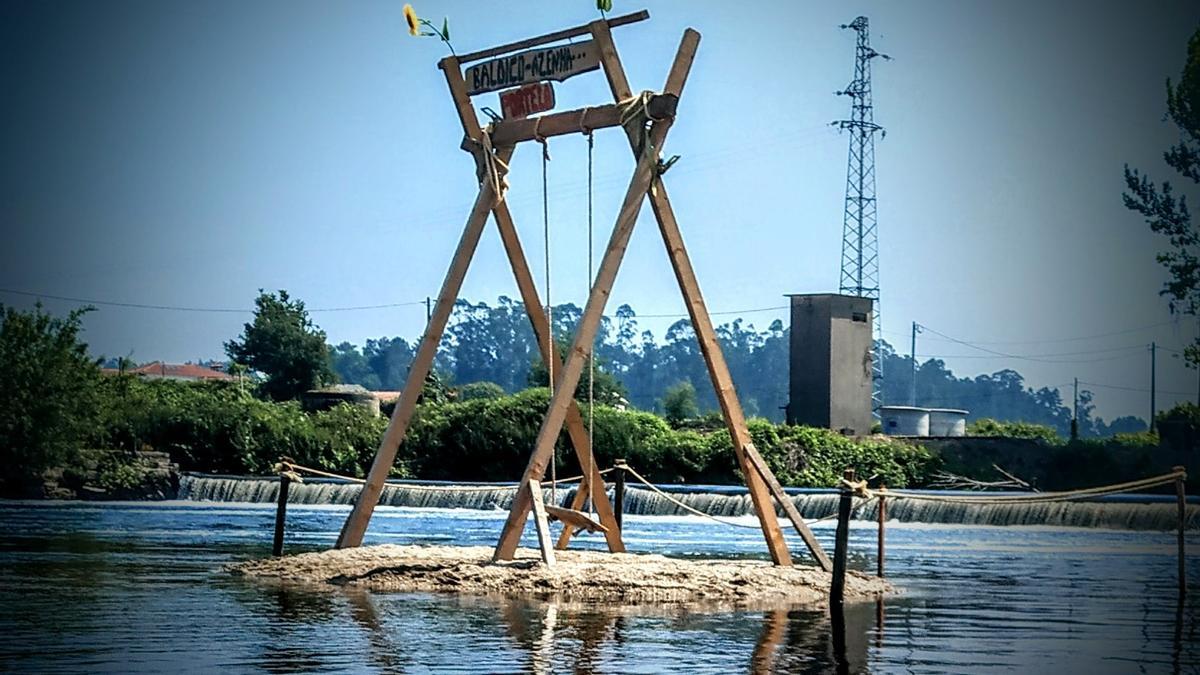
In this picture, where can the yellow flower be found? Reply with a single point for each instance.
(414, 24)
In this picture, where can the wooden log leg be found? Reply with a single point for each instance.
(841, 542)
(281, 514)
(585, 334)
(879, 553)
(1181, 498)
(533, 490)
(577, 501)
(541, 330)
(789, 508)
(619, 492)
(360, 516)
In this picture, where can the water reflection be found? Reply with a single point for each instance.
(140, 588)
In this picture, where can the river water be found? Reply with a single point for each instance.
(138, 587)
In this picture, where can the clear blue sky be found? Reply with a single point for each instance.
(181, 153)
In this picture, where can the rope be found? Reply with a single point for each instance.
(1041, 497)
(291, 467)
(592, 354)
(495, 170)
(537, 136)
(696, 512)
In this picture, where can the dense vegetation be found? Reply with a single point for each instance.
(495, 344)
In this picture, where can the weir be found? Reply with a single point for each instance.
(1124, 512)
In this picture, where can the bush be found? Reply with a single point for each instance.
(491, 439)
(215, 426)
(48, 398)
(679, 403)
(474, 390)
(1179, 427)
(991, 427)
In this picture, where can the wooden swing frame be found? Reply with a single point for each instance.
(495, 146)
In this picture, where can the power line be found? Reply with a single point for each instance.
(732, 311)
(1137, 389)
(175, 308)
(1080, 338)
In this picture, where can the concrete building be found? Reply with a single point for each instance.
(830, 362)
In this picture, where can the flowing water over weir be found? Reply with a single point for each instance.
(1124, 512)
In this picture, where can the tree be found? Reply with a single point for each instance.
(285, 345)
(48, 403)
(679, 403)
(1168, 214)
(605, 388)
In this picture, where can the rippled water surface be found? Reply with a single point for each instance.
(139, 587)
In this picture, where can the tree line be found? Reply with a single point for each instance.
(494, 343)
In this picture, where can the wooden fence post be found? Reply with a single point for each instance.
(285, 482)
(841, 543)
(619, 493)
(1181, 494)
(882, 518)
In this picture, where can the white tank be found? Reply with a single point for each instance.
(902, 420)
(947, 422)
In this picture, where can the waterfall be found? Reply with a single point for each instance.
(1127, 512)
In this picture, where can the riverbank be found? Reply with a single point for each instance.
(576, 576)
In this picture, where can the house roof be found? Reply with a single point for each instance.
(187, 371)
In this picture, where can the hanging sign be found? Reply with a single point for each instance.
(519, 103)
(536, 65)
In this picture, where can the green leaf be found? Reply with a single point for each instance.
(446, 29)
(604, 5)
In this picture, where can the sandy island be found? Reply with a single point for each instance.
(577, 576)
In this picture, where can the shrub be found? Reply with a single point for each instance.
(991, 427)
(474, 390)
(48, 398)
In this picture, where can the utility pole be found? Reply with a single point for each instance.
(912, 394)
(428, 308)
(1153, 382)
(1075, 413)
(860, 239)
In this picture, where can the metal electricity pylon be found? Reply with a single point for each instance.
(860, 237)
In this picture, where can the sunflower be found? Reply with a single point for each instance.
(414, 23)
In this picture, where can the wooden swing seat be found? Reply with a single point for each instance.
(576, 519)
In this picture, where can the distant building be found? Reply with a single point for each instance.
(175, 371)
(830, 364)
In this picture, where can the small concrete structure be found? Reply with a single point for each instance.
(903, 420)
(947, 422)
(829, 384)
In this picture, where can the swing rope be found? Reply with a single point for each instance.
(549, 307)
(592, 354)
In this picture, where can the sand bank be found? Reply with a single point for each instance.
(577, 576)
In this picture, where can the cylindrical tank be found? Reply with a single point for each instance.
(947, 422)
(902, 420)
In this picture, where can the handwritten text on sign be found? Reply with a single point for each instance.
(522, 102)
(535, 65)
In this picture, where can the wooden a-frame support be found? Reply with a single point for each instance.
(563, 409)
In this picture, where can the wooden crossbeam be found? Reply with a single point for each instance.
(564, 34)
(509, 132)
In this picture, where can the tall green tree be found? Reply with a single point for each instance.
(48, 400)
(285, 345)
(1166, 211)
